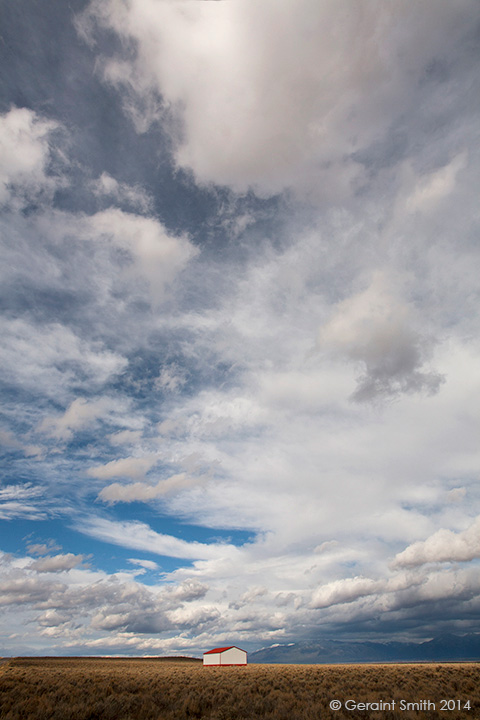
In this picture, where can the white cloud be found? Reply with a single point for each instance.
(56, 563)
(51, 356)
(171, 378)
(337, 105)
(373, 329)
(443, 546)
(18, 588)
(143, 492)
(433, 188)
(133, 467)
(81, 414)
(277, 94)
(139, 536)
(24, 153)
(146, 564)
(77, 603)
(19, 492)
(158, 255)
(7, 439)
(22, 501)
(345, 591)
(121, 193)
(456, 495)
(14, 509)
(125, 437)
(187, 590)
(43, 548)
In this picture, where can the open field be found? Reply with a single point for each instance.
(151, 689)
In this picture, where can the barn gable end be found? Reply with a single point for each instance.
(231, 655)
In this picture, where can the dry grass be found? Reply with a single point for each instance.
(149, 689)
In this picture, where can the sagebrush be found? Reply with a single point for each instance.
(152, 689)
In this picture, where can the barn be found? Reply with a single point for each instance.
(230, 655)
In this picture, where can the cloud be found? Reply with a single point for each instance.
(146, 564)
(43, 548)
(431, 189)
(277, 95)
(57, 563)
(16, 502)
(144, 492)
(125, 437)
(121, 193)
(9, 440)
(12, 509)
(76, 604)
(171, 379)
(443, 546)
(456, 495)
(24, 155)
(373, 329)
(151, 300)
(187, 591)
(81, 414)
(126, 467)
(132, 622)
(326, 546)
(158, 255)
(19, 492)
(19, 589)
(139, 536)
(51, 356)
(345, 591)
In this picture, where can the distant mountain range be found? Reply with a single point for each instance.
(445, 647)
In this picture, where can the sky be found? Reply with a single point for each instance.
(240, 357)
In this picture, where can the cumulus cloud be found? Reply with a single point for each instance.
(443, 546)
(276, 95)
(188, 590)
(69, 600)
(373, 329)
(158, 255)
(345, 591)
(57, 563)
(144, 492)
(132, 622)
(24, 154)
(18, 589)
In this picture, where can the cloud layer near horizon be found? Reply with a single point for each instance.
(278, 399)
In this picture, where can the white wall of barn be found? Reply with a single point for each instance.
(232, 656)
(211, 659)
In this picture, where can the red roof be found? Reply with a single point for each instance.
(220, 650)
